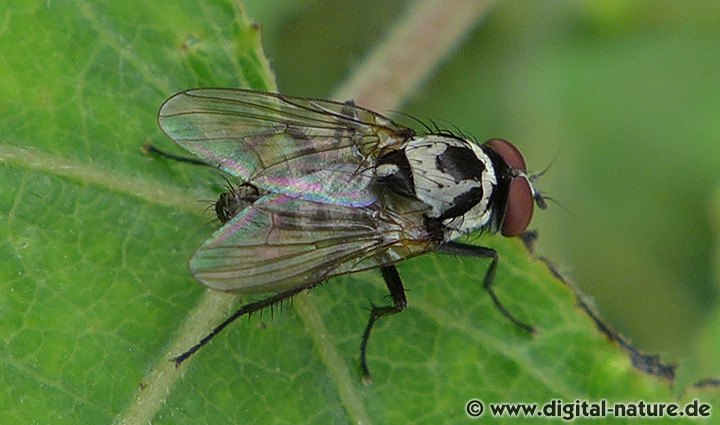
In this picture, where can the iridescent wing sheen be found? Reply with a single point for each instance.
(281, 242)
(318, 150)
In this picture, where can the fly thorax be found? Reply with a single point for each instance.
(454, 178)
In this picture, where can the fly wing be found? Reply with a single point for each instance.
(281, 242)
(318, 150)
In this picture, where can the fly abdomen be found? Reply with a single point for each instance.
(236, 199)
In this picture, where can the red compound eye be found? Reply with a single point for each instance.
(520, 201)
(508, 152)
(519, 207)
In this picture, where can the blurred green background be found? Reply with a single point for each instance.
(626, 94)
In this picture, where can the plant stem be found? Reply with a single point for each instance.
(413, 48)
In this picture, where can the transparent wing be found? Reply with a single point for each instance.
(315, 149)
(281, 242)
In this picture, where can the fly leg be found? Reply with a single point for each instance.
(151, 149)
(397, 292)
(244, 310)
(456, 248)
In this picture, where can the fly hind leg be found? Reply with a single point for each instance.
(151, 149)
(397, 293)
(247, 309)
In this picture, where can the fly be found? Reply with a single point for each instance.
(331, 188)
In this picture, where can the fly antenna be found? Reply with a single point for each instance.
(541, 200)
(536, 176)
(539, 197)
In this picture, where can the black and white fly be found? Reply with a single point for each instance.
(330, 188)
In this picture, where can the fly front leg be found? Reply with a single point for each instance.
(456, 248)
(397, 293)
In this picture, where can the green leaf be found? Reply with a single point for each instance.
(96, 295)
